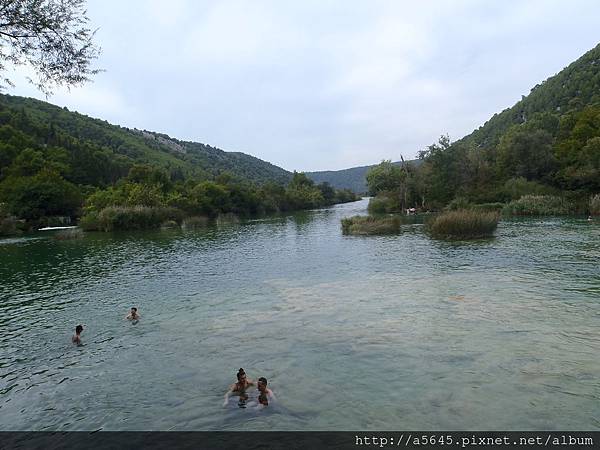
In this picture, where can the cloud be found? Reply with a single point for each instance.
(319, 85)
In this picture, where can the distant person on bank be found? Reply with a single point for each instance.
(76, 338)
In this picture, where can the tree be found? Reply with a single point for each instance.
(328, 192)
(525, 153)
(385, 177)
(52, 37)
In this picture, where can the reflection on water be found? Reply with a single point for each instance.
(351, 332)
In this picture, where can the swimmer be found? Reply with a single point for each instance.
(133, 314)
(239, 388)
(264, 393)
(76, 338)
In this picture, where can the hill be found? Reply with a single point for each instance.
(58, 166)
(353, 178)
(573, 88)
(100, 145)
(547, 144)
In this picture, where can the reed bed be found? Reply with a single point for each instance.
(130, 218)
(370, 225)
(539, 205)
(463, 224)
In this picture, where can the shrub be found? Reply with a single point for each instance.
(194, 222)
(135, 217)
(369, 225)
(538, 205)
(595, 205)
(72, 233)
(463, 224)
(383, 204)
(90, 221)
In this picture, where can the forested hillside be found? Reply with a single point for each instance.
(545, 149)
(101, 152)
(57, 165)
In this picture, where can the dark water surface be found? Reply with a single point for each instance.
(377, 333)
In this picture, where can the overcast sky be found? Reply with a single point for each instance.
(322, 85)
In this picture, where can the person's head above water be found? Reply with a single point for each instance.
(241, 375)
(78, 329)
(262, 383)
(133, 309)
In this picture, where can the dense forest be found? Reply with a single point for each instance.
(546, 148)
(57, 166)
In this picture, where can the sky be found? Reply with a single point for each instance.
(321, 85)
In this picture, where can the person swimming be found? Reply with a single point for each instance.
(264, 393)
(133, 314)
(239, 388)
(76, 338)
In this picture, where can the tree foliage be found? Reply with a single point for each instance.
(51, 36)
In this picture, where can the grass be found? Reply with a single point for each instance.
(463, 224)
(369, 225)
(539, 205)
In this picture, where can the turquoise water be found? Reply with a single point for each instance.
(397, 332)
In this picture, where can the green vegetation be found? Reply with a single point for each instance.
(463, 224)
(538, 205)
(595, 205)
(51, 37)
(353, 179)
(8, 222)
(130, 218)
(371, 225)
(56, 165)
(546, 146)
(395, 187)
(146, 199)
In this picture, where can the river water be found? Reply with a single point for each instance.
(372, 333)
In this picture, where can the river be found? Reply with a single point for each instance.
(370, 333)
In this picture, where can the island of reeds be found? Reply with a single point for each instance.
(371, 225)
(463, 224)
